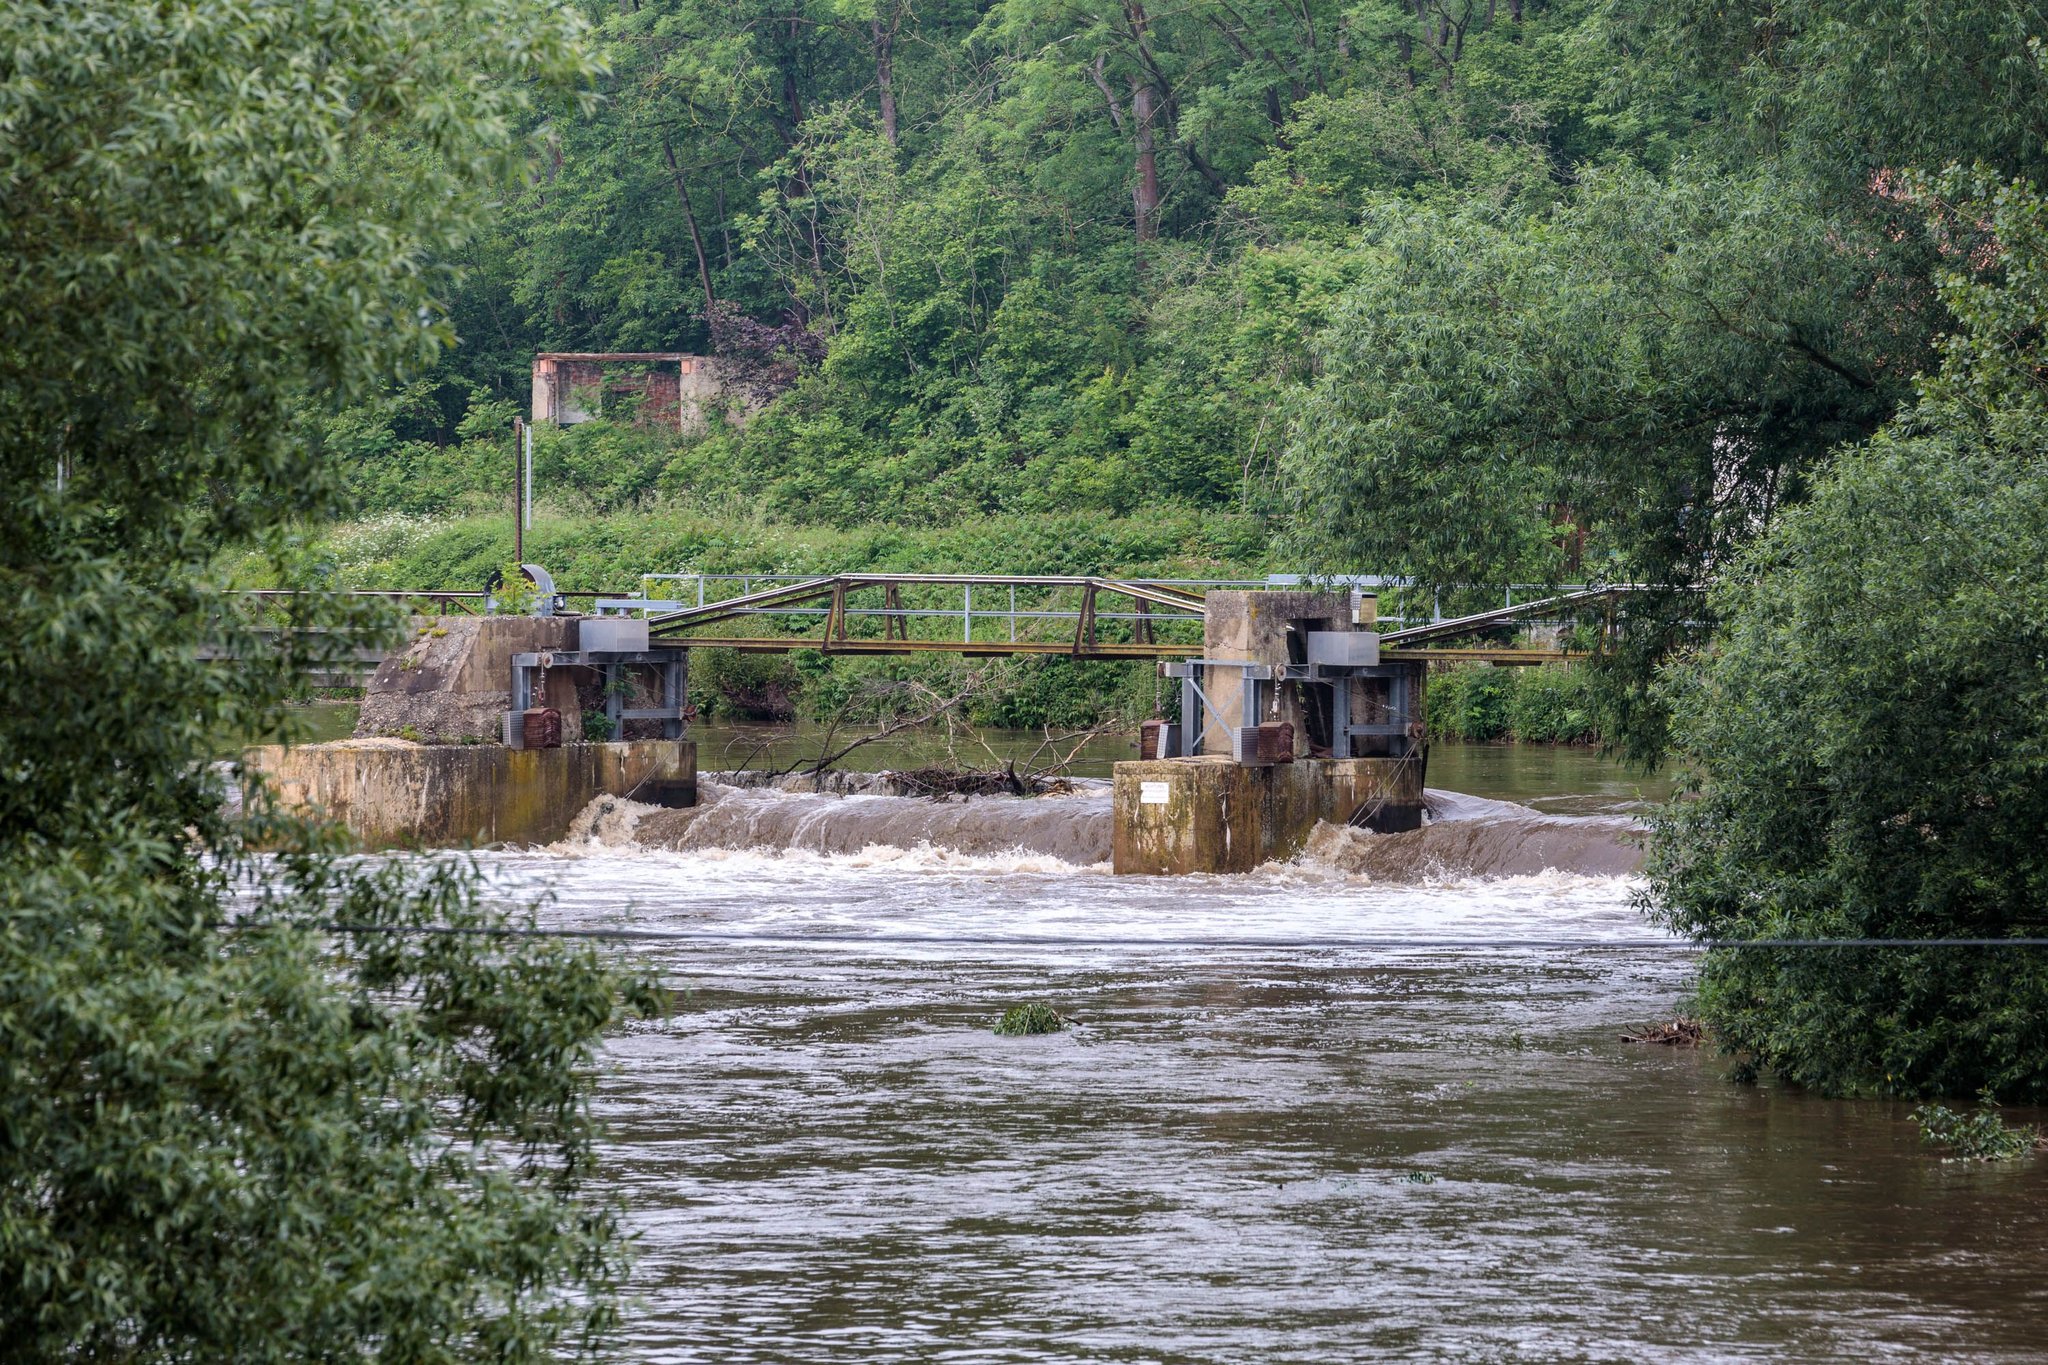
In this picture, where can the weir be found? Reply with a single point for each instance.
(474, 734)
(1295, 709)
(1289, 718)
(400, 795)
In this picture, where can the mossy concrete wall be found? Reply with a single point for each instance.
(452, 683)
(1180, 815)
(393, 795)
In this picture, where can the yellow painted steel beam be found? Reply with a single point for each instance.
(990, 649)
(1506, 657)
(1103, 649)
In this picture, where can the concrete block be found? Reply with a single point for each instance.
(1209, 815)
(391, 794)
(1253, 626)
(452, 682)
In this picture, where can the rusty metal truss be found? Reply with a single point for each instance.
(867, 614)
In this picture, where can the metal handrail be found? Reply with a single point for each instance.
(1168, 589)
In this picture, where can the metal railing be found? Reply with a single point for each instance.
(698, 590)
(993, 609)
(704, 590)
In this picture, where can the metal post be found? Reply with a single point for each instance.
(614, 698)
(1340, 718)
(1398, 746)
(674, 671)
(1013, 614)
(967, 615)
(1192, 720)
(518, 490)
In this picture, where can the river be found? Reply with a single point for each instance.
(1305, 1115)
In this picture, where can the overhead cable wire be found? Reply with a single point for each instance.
(772, 939)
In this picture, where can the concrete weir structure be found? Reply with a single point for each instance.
(1181, 815)
(398, 795)
(1290, 714)
(1293, 673)
(430, 765)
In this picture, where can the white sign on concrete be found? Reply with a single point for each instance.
(1153, 793)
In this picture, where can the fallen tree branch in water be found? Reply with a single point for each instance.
(894, 727)
(1680, 1032)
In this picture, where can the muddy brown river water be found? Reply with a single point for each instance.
(1308, 1114)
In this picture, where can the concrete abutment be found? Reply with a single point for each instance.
(390, 794)
(1186, 815)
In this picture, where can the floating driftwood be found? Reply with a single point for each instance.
(1679, 1032)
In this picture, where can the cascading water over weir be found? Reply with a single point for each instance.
(1293, 718)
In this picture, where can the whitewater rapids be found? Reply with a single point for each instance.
(1465, 836)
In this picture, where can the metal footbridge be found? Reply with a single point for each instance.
(997, 615)
(994, 615)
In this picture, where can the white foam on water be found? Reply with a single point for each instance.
(606, 825)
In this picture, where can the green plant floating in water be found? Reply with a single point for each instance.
(1022, 1019)
(1978, 1136)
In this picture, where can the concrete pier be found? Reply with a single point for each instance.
(391, 794)
(1181, 815)
(1289, 718)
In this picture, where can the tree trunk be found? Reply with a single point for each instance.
(1145, 195)
(1276, 116)
(885, 74)
(696, 237)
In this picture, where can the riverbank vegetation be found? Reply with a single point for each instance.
(229, 1131)
(1867, 738)
(1477, 704)
(590, 551)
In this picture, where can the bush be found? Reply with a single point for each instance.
(1977, 1136)
(602, 466)
(1866, 762)
(1550, 705)
(1476, 703)
(728, 684)
(1470, 703)
(1019, 1020)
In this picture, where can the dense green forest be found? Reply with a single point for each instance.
(1518, 289)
